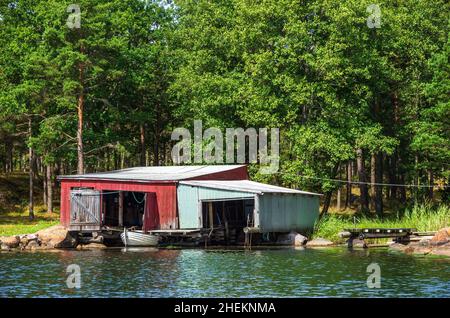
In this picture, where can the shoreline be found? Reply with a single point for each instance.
(59, 238)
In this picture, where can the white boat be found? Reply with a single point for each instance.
(138, 238)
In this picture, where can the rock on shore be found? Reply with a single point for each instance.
(57, 236)
(10, 241)
(319, 242)
(91, 246)
(439, 244)
(292, 238)
(53, 237)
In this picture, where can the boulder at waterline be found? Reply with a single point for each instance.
(4, 247)
(319, 242)
(32, 245)
(292, 238)
(10, 241)
(441, 237)
(91, 246)
(356, 243)
(27, 238)
(57, 236)
(300, 240)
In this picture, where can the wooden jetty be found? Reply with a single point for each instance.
(398, 234)
(377, 233)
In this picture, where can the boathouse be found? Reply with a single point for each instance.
(184, 199)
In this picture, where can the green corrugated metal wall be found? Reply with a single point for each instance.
(286, 212)
(189, 197)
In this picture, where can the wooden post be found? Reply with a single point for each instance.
(121, 208)
(211, 215)
(225, 221)
(256, 211)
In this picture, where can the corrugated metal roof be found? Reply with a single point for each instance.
(244, 186)
(155, 173)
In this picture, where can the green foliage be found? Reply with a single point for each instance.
(120, 48)
(320, 74)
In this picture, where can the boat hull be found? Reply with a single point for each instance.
(133, 238)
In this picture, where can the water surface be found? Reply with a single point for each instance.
(331, 272)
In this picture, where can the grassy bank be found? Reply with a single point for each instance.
(422, 217)
(14, 206)
(17, 222)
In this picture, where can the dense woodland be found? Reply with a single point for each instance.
(366, 105)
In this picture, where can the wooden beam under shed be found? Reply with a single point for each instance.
(121, 208)
(211, 215)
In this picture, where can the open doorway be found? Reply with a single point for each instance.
(224, 220)
(231, 213)
(133, 207)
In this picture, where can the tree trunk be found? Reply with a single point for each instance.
(9, 156)
(401, 179)
(44, 186)
(338, 199)
(31, 172)
(49, 188)
(431, 182)
(379, 188)
(348, 197)
(417, 177)
(402, 190)
(364, 193)
(116, 160)
(373, 163)
(339, 190)
(80, 109)
(393, 176)
(395, 162)
(143, 148)
(156, 145)
(107, 159)
(327, 201)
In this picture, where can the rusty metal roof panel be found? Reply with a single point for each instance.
(155, 173)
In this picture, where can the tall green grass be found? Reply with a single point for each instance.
(421, 217)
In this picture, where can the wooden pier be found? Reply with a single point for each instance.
(377, 233)
(398, 234)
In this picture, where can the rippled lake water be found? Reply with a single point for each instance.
(331, 272)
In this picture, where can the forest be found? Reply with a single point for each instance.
(363, 110)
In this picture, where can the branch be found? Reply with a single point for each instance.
(99, 148)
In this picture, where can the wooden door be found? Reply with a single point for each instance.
(85, 209)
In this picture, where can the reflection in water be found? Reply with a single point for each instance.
(149, 272)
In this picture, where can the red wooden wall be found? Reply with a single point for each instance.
(166, 197)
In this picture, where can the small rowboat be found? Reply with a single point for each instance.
(138, 238)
